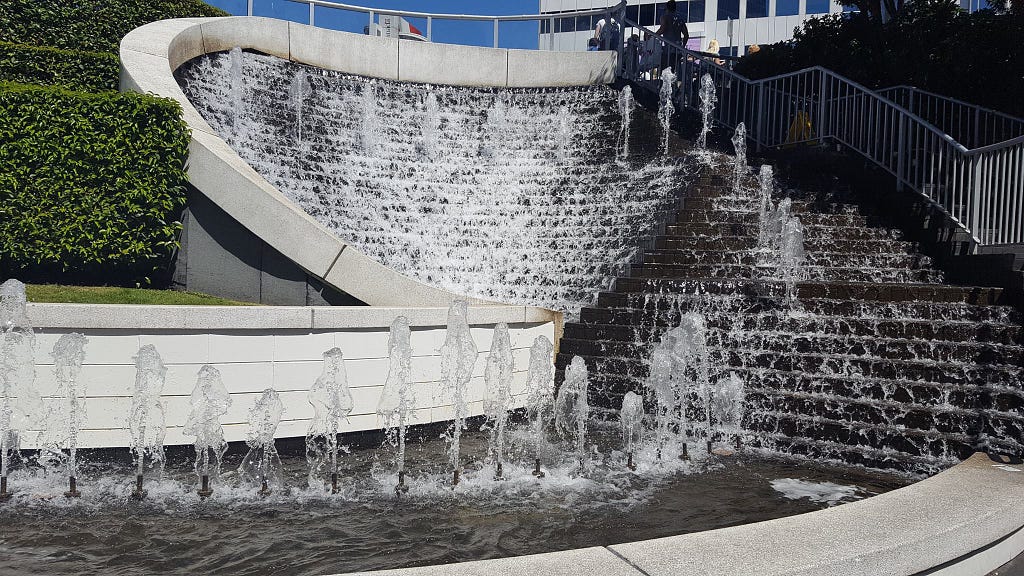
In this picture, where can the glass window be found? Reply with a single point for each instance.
(646, 15)
(730, 9)
(545, 26)
(817, 6)
(567, 24)
(583, 23)
(659, 12)
(757, 8)
(633, 13)
(697, 8)
(787, 7)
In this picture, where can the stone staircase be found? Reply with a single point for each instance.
(881, 364)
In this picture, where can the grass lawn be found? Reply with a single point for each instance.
(108, 295)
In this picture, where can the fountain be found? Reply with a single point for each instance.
(498, 393)
(146, 419)
(369, 135)
(68, 354)
(626, 106)
(572, 409)
(631, 419)
(564, 133)
(680, 376)
(430, 128)
(739, 144)
(495, 131)
(209, 403)
(708, 98)
(398, 400)
(298, 91)
(727, 404)
(21, 407)
(540, 399)
(332, 402)
(261, 465)
(666, 106)
(458, 355)
(791, 258)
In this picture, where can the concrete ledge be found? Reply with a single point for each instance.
(372, 56)
(534, 68)
(452, 64)
(943, 525)
(190, 318)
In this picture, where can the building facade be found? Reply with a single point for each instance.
(736, 24)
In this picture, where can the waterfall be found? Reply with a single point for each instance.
(458, 355)
(430, 128)
(237, 76)
(369, 136)
(298, 91)
(666, 106)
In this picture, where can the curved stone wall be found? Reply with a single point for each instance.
(151, 53)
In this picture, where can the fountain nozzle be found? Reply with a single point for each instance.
(265, 489)
(334, 482)
(4, 494)
(205, 491)
(537, 471)
(629, 462)
(685, 455)
(498, 473)
(402, 488)
(455, 478)
(72, 488)
(138, 493)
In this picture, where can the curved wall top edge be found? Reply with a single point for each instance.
(151, 53)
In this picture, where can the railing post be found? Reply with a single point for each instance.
(551, 31)
(495, 32)
(821, 107)
(430, 29)
(248, 9)
(758, 131)
(977, 129)
(312, 12)
(370, 29)
(976, 199)
(901, 152)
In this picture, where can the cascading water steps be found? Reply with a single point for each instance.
(878, 363)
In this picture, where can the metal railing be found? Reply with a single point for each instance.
(981, 189)
(372, 15)
(969, 124)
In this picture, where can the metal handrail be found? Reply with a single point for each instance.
(619, 7)
(974, 126)
(981, 190)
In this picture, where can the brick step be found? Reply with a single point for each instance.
(819, 231)
(831, 290)
(813, 273)
(811, 244)
(730, 203)
(685, 217)
(690, 257)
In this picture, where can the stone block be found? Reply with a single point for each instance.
(372, 56)
(267, 35)
(451, 64)
(539, 68)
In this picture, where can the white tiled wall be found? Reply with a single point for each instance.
(251, 361)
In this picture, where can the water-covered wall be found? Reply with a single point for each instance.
(513, 195)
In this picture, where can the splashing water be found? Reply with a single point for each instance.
(237, 90)
(540, 381)
(297, 92)
(209, 403)
(572, 409)
(498, 390)
(332, 402)
(397, 400)
(766, 185)
(564, 133)
(791, 257)
(369, 136)
(458, 355)
(146, 420)
(708, 98)
(262, 465)
(666, 106)
(680, 375)
(495, 130)
(626, 106)
(727, 403)
(631, 419)
(430, 128)
(21, 407)
(68, 354)
(739, 143)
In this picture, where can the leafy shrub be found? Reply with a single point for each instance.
(94, 25)
(90, 184)
(87, 71)
(930, 44)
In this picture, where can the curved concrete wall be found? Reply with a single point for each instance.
(151, 53)
(256, 348)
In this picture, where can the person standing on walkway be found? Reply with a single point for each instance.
(673, 28)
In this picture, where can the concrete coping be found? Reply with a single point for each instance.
(966, 521)
(150, 54)
(215, 318)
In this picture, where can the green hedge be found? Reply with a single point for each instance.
(91, 185)
(94, 25)
(87, 71)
